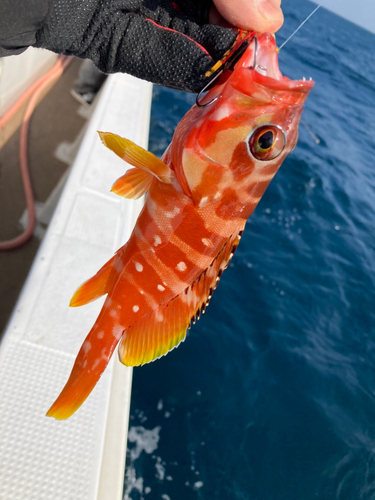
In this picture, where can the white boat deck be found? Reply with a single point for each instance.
(82, 458)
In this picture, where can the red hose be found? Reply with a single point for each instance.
(34, 91)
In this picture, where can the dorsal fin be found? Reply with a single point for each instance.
(165, 327)
(137, 156)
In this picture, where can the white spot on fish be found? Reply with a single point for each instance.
(181, 266)
(119, 265)
(117, 331)
(135, 308)
(138, 267)
(86, 346)
(172, 214)
(206, 242)
(157, 240)
(221, 113)
(161, 288)
(96, 363)
(100, 334)
(113, 313)
(159, 316)
(104, 357)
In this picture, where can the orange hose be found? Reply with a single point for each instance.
(34, 91)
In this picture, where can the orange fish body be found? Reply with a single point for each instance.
(199, 196)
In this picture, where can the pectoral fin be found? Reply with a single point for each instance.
(137, 156)
(133, 184)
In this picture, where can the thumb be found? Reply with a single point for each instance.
(257, 15)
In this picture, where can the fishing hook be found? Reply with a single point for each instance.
(229, 64)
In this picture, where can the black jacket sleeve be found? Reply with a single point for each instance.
(168, 43)
(19, 21)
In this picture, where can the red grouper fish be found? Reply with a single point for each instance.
(200, 194)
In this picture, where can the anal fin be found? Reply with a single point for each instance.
(95, 287)
(165, 327)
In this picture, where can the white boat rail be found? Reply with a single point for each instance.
(82, 458)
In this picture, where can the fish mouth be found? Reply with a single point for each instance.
(262, 58)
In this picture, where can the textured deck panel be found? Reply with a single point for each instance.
(41, 458)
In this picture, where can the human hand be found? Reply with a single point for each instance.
(174, 44)
(250, 15)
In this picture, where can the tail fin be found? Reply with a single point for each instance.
(92, 359)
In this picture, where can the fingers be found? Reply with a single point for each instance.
(257, 15)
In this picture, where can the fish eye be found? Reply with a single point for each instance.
(266, 142)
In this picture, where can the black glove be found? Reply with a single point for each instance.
(155, 40)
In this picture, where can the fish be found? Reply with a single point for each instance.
(223, 155)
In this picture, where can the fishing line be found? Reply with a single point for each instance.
(303, 22)
(314, 137)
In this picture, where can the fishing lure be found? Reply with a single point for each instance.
(224, 153)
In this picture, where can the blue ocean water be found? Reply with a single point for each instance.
(272, 395)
